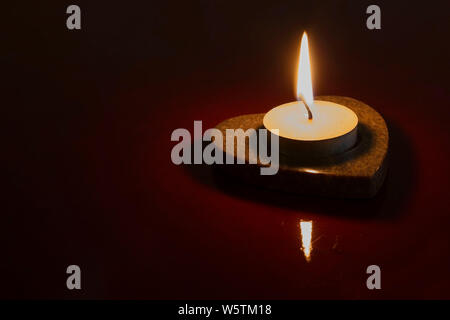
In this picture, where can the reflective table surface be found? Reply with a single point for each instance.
(88, 177)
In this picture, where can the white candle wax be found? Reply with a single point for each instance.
(332, 130)
(330, 120)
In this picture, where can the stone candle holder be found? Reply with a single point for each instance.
(355, 173)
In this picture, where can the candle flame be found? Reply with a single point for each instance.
(306, 233)
(304, 83)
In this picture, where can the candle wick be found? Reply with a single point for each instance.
(308, 109)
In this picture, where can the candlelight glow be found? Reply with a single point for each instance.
(304, 83)
(306, 233)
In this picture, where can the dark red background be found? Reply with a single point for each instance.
(87, 177)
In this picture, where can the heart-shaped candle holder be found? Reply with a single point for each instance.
(355, 173)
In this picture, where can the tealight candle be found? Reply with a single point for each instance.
(335, 146)
(308, 128)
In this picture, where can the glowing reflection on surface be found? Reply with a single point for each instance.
(306, 234)
(311, 171)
